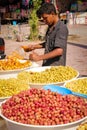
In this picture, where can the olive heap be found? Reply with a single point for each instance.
(11, 86)
(82, 126)
(44, 107)
(80, 83)
(50, 75)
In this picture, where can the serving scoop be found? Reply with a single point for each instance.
(62, 90)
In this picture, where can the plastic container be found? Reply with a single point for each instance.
(14, 23)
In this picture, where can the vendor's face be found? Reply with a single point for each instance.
(48, 18)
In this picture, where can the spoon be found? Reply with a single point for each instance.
(62, 90)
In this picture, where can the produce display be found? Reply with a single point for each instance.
(11, 86)
(78, 85)
(15, 55)
(13, 64)
(51, 75)
(82, 126)
(43, 107)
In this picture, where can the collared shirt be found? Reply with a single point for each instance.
(56, 38)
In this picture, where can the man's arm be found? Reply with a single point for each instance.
(56, 52)
(33, 47)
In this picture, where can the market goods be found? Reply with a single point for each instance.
(50, 75)
(83, 126)
(11, 86)
(12, 64)
(43, 107)
(78, 85)
(15, 55)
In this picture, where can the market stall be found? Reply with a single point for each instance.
(38, 107)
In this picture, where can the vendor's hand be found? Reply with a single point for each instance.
(34, 57)
(28, 48)
(31, 46)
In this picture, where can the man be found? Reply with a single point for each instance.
(56, 38)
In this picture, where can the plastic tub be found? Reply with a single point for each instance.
(12, 125)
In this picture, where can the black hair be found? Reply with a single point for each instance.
(46, 8)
